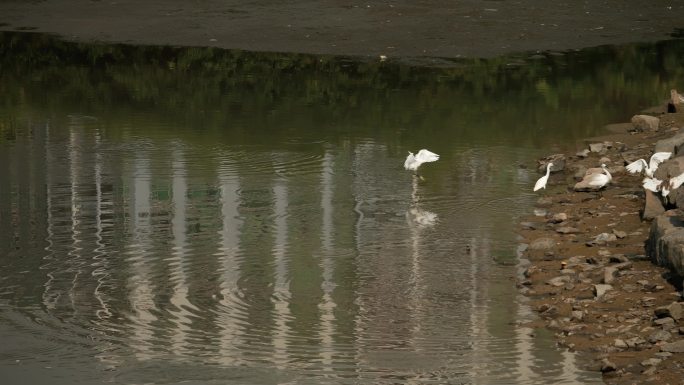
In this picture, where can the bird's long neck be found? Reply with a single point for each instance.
(610, 177)
(548, 169)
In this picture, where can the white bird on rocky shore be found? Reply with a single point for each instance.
(640, 165)
(423, 156)
(655, 185)
(541, 182)
(595, 180)
(664, 187)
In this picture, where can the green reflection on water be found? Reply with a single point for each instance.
(523, 100)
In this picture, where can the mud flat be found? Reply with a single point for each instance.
(589, 261)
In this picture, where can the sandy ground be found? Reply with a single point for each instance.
(402, 28)
(619, 331)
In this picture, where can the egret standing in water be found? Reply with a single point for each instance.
(423, 156)
(541, 182)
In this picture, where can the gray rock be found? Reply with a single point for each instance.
(672, 144)
(674, 310)
(558, 163)
(597, 147)
(666, 323)
(609, 274)
(673, 347)
(580, 172)
(583, 154)
(602, 239)
(530, 225)
(558, 218)
(619, 234)
(567, 230)
(635, 342)
(658, 336)
(559, 281)
(653, 206)
(645, 123)
(577, 315)
(621, 259)
(665, 243)
(651, 362)
(600, 290)
(607, 366)
(543, 244)
(620, 344)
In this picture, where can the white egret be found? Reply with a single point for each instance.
(663, 186)
(541, 182)
(594, 180)
(598, 181)
(640, 165)
(423, 156)
(655, 185)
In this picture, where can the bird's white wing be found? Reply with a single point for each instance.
(409, 160)
(541, 183)
(637, 166)
(652, 184)
(426, 156)
(597, 180)
(658, 158)
(676, 181)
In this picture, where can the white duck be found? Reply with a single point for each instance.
(541, 182)
(423, 156)
(640, 165)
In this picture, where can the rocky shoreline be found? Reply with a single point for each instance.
(588, 258)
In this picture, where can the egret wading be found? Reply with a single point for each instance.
(423, 156)
(541, 182)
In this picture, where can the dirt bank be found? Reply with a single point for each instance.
(439, 28)
(589, 276)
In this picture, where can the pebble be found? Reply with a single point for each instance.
(567, 230)
(651, 362)
(558, 218)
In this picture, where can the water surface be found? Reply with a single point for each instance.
(174, 215)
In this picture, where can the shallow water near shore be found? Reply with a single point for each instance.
(189, 215)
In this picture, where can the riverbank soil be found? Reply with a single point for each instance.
(587, 273)
(402, 28)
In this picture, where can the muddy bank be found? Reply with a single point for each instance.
(477, 28)
(586, 267)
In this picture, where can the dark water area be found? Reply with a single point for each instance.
(190, 215)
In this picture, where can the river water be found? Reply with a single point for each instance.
(200, 216)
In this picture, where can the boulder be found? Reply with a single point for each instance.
(665, 243)
(558, 163)
(645, 123)
(673, 144)
(653, 206)
(675, 310)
